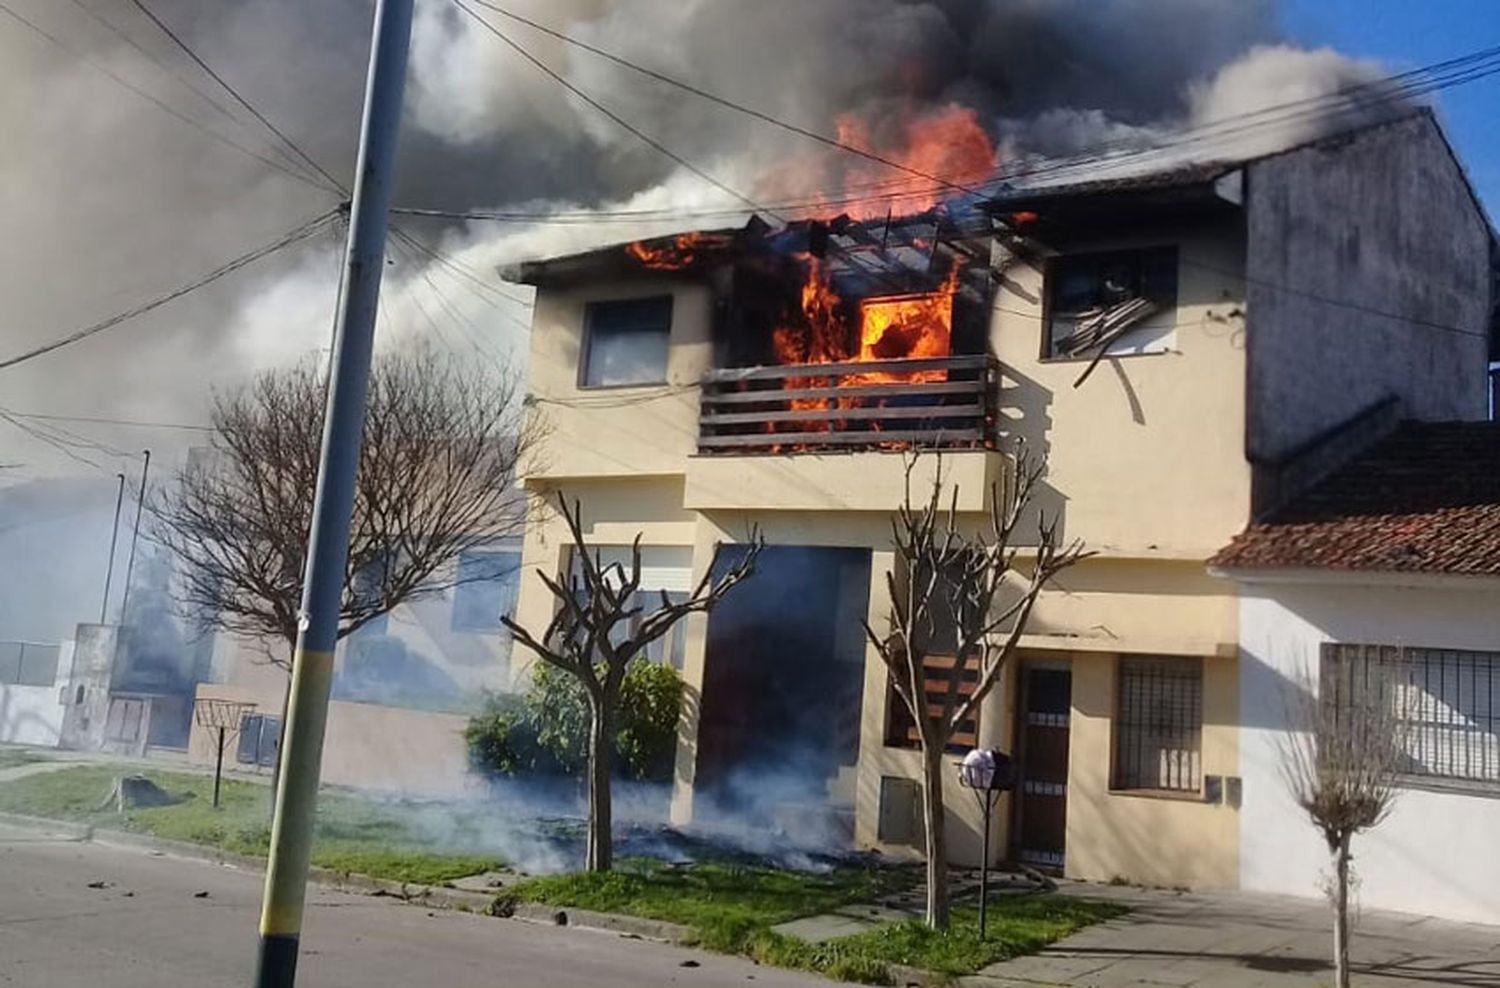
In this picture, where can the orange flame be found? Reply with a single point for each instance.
(680, 252)
(949, 144)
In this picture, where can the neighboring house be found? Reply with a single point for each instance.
(1391, 565)
(1188, 347)
(404, 685)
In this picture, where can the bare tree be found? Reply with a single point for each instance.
(947, 593)
(443, 442)
(598, 629)
(1341, 756)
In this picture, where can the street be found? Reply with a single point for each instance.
(151, 925)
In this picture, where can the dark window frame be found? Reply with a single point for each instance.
(590, 328)
(1134, 737)
(1053, 271)
(1433, 742)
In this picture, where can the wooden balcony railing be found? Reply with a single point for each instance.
(925, 403)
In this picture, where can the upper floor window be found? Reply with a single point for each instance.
(1106, 301)
(626, 342)
(488, 584)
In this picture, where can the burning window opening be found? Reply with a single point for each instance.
(1098, 299)
(842, 334)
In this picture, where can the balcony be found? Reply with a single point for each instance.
(829, 437)
(932, 403)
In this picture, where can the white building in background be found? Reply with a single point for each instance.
(1400, 549)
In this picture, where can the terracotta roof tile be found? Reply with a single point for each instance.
(1425, 499)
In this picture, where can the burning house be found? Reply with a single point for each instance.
(1187, 345)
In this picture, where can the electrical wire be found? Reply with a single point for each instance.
(164, 107)
(187, 49)
(103, 420)
(619, 121)
(287, 239)
(118, 32)
(1356, 97)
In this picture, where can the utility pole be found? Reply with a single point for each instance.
(328, 540)
(114, 534)
(135, 533)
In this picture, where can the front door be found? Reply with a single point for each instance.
(1042, 803)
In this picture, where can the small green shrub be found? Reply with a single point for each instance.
(545, 731)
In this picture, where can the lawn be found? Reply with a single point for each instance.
(731, 907)
(11, 757)
(352, 835)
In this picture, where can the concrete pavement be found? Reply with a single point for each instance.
(145, 924)
(1246, 940)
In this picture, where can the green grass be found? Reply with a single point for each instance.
(12, 757)
(352, 835)
(732, 907)
(723, 902)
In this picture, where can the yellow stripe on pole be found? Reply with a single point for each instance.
(297, 793)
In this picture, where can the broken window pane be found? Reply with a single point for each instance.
(1110, 301)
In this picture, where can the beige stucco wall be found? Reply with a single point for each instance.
(1170, 841)
(1146, 458)
(367, 746)
(1145, 464)
(617, 431)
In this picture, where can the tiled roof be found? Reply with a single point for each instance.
(1425, 499)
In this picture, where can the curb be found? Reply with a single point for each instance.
(432, 896)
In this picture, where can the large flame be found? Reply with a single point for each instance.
(948, 144)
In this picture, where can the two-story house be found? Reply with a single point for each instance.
(1185, 346)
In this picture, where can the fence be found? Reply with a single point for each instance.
(28, 663)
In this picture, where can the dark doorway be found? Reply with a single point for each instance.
(1041, 814)
(782, 684)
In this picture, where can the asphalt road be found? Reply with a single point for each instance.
(150, 925)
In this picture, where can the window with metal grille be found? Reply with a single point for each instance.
(1159, 724)
(901, 727)
(1448, 700)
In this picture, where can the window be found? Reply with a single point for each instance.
(28, 664)
(1449, 701)
(368, 587)
(1106, 302)
(901, 727)
(1159, 724)
(626, 342)
(664, 570)
(488, 583)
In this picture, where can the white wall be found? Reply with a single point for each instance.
(1436, 853)
(34, 714)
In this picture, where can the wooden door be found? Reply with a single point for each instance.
(1042, 796)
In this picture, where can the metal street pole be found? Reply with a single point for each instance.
(328, 540)
(135, 533)
(114, 535)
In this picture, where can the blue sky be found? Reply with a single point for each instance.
(1406, 34)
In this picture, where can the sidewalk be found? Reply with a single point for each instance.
(1244, 939)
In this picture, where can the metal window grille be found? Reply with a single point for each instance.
(1159, 724)
(1449, 700)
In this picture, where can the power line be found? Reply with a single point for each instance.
(612, 115)
(164, 107)
(303, 155)
(114, 29)
(1416, 82)
(104, 420)
(299, 233)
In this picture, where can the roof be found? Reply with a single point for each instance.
(1426, 499)
(1177, 177)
